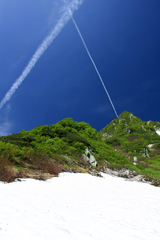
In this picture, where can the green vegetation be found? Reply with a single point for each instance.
(133, 137)
(58, 147)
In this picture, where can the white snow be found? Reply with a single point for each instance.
(158, 132)
(79, 207)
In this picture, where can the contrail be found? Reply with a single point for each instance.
(94, 66)
(70, 12)
(42, 48)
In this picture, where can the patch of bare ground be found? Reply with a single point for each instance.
(118, 149)
(155, 151)
(46, 173)
(132, 137)
(43, 169)
(39, 175)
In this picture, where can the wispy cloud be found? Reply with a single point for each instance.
(73, 5)
(5, 128)
(5, 124)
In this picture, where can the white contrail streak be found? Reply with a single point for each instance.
(94, 65)
(70, 12)
(42, 48)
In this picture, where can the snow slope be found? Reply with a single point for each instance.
(79, 207)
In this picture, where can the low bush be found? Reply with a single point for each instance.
(114, 141)
(50, 167)
(40, 161)
(6, 172)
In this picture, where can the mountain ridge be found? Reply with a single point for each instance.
(125, 144)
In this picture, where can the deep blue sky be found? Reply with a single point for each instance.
(123, 37)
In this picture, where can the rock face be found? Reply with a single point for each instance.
(135, 160)
(145, 153)
(128, 130)
(88, 157)
(124, 173)
(158, 131)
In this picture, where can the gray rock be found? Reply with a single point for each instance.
(150, 146)
(128, 130)
(88, 157)
(131, 115)
(69, 160)
(130, 175)
(135, 159)
(125, 173)
(95, 173)
(121, 119)
(145, 153)
(137, 178)
(110, 172)
(106, 135)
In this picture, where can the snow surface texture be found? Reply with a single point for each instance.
(79, 206)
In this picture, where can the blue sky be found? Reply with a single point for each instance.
(123, 37)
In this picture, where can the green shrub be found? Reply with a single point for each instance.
(114, 141)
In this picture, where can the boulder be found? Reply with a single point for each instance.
(88, 157)
(124, 173)
(135, 159)
(128, 130)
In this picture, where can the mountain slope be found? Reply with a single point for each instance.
(125, 143)
(138, 140)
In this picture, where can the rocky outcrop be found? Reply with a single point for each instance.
(128, 131)
(105, 135)
(124, 173)
(158, 131)
(150, 146)
(88, 157)
(135, 160)
(145, 153)
(121, 119)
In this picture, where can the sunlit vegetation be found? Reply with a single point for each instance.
(133, 137)
(55, 148)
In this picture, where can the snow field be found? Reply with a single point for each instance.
(79, 206)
